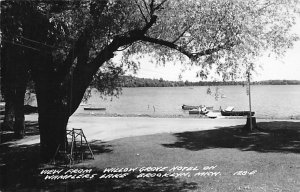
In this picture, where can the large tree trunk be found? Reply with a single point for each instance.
(19, 125)
(19, 94)
(52, 103)
(7, 88)
(52, 132)
(8, 122)
(53, 119)
(14, 76)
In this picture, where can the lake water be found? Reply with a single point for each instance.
(268, 101)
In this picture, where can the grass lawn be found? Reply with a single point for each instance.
(270, 161)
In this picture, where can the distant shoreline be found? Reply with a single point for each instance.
(130, 81)
(213, 85)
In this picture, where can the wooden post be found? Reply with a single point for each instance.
(251, 121)
(250, 116)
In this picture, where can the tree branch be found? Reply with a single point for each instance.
(78, 47)
(141, 11)
(167, 44)
(83, 72)
(152, 7)
(192, 56)
(183, 32)
(73, 53)
(149, 24)
(145, 4)
(159, 5)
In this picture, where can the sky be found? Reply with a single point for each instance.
(287, 67)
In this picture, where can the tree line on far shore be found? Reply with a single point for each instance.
(130, 81)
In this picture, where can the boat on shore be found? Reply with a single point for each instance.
(198, 112)
(212, 114)
(94, 108)
(236, 113)
(190, 107)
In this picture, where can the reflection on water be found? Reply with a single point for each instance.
(268, 101)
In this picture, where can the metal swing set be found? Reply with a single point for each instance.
(76, 149)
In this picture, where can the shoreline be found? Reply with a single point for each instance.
(296, 117)
(111, 128)
(34, 117)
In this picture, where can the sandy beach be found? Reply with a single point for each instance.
(111, 128)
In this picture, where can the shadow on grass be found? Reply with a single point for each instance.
(19, 165)
(31, 128)
(99, 147)
(20, 171)
(276, 136)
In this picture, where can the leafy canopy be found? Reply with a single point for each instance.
(224, 35)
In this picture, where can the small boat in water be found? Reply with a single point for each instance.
(94, 108)
(236, 113)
